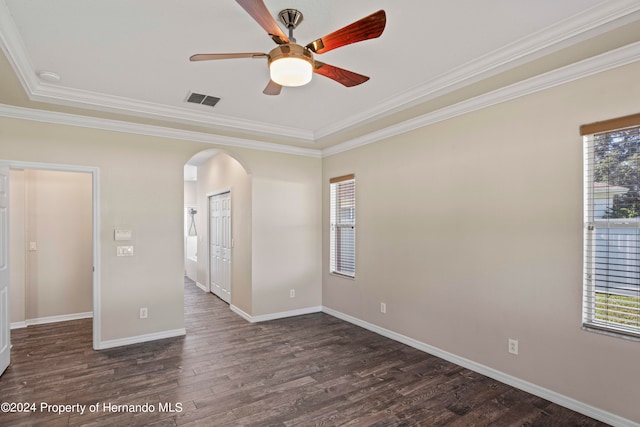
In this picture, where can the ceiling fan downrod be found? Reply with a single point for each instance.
(291, 18)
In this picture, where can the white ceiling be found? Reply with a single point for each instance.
(132, 57)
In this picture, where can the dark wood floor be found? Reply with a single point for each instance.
(307, 370)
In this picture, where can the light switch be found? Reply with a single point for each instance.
(33, 246)
(122, 234)
(125, 251)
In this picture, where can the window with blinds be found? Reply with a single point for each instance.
(611, 297)
(342, 241)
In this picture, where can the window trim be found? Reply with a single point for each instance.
(342, 178)
(333, 227)
(591, 224)
(611, 124)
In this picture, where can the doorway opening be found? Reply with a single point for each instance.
(218, 186)
(53, 247)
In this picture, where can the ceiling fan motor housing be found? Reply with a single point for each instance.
(290, 50)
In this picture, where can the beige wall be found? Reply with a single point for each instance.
(54, 210)
(141, 187)
(17, 248)
(470, 231)
(287, 234)
(276, 227)
(58, 208)
(223, 172)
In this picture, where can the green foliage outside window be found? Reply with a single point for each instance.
(617, 163)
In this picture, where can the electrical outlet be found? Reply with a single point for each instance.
(383, 308)
(143, 312)
(513, 346)
(292, 293)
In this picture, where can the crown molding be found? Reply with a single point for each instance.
(590, 23)
(604, 16)
(97, 101)
(10, 111)
(15, 50)
(607, 61)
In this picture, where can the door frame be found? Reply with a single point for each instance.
(95, 196)
(209, 196)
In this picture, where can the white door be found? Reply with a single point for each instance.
(220, 245)
(5, 338)
(225, 200)
(214, 244)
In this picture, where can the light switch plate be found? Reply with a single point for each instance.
(122, 234)
(125, 251)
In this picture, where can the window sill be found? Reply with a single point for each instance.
(610, 332)
(343, 276)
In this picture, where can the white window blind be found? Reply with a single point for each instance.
(611, 297)
(342, 241)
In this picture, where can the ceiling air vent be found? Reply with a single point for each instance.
(198, 98)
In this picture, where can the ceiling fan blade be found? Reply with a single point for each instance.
(260, 13)
(342, 76)
(366, 28)
(272, 88)
(212, 56)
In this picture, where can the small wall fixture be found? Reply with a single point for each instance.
(192, 223)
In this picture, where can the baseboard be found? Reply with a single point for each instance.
(140, 339)
(275, 316)
(241, 313)
(201, 286)
(534, 389)
(51, 319)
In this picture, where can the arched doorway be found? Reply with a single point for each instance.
(218, 190)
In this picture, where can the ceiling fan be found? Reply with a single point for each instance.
(291, 64)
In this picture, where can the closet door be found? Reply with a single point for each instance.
(225, 246)
(220, 245)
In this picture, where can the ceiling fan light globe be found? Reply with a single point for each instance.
(291, 71)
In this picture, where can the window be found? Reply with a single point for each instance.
(611, 295)
(342, 241)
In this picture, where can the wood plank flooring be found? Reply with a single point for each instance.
(312, 370)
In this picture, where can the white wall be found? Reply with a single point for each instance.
(190, 241)
(470, 230)
(190, 193)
